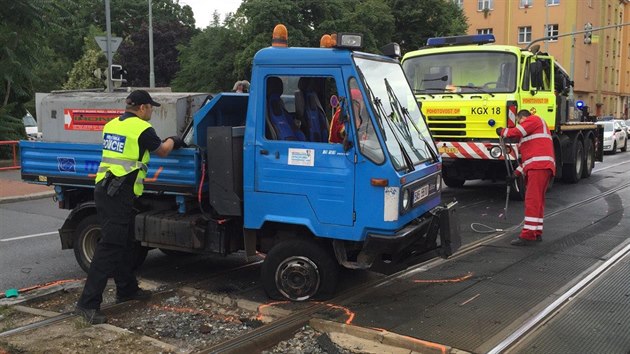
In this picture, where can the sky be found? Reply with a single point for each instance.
(203, 9)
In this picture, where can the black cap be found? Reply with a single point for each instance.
(139, 97)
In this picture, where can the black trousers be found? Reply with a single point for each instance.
(114, 252)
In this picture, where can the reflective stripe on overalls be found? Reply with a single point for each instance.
(121, 150)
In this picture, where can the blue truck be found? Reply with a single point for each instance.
(261, 175)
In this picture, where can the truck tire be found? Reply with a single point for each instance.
(572, 171)
(453, 182)
(299, 270)
(589, 158)
(87, 235)
(175, 254)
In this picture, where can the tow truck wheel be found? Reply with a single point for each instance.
(453, 182)
(299, 270)
(175, 254)
(589, 158)
(87, 235)
(572, 171)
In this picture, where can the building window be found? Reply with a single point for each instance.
(605, 74)
(553, 2)
(459, 3)
(485, 5)
(587, 69)
(552, 31)
(525, 34)
(484, 31)
(524, 4)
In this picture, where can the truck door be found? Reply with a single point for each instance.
(308, 176)
(538, 89)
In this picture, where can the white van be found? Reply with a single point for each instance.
(30, 125)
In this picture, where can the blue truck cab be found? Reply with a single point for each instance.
(326, 162)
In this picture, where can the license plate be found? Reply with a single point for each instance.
(447, 150)
(420, 193)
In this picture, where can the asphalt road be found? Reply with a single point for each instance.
(30, 250)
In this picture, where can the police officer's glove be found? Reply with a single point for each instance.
(498, 130)
(178, 143)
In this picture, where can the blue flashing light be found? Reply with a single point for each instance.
(579, 104)
(460, 40)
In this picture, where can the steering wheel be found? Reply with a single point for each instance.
(487, 84)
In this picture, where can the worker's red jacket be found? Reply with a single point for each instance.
(535, 145)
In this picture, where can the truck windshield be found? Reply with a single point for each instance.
(401, 123)
(462, 72)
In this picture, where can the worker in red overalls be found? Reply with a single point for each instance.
(538, 166)
(337, 128)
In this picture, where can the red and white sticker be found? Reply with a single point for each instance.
(88, 119)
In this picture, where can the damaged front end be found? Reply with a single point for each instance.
(434, 234)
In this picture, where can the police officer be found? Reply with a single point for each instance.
(127, 141)
(538, 166)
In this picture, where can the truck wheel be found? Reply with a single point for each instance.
(299, 270)
(87, 235)
(453, 182)
(175, 254)
(589, 158)
(572, 172)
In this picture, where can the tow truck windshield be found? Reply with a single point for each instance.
(462, 72)
(397, 114)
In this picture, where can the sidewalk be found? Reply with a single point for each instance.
(12, 189)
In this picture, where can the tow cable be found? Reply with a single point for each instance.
(509, 172)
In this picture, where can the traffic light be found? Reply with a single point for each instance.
(588, 35)
(117, 73)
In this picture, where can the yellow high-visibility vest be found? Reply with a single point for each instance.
(121, 150)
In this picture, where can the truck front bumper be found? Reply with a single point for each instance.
(434, 234)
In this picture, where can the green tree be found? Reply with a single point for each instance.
(416, 21)
(207, 63)
(20, 40)
(81, 75)
(223, 53)
(173, 24)
(134, 53)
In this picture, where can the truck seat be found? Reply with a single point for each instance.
(309, 110)
(280, 123)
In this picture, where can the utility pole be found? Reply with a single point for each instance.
(151, 72)
(572, 66)
(108, 46)
(546, 26)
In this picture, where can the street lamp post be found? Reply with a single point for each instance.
(151, 72)
(108, 46)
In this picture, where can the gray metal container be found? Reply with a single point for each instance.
(75, 116)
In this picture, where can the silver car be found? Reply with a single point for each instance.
(615, 136)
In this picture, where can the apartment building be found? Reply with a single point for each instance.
(599, 64)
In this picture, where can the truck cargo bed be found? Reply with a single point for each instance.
(75, 164)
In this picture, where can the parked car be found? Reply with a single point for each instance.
(624, 126)
(615, 136)
(30, 125)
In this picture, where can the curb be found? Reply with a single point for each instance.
(382, 337)
(21, 198)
